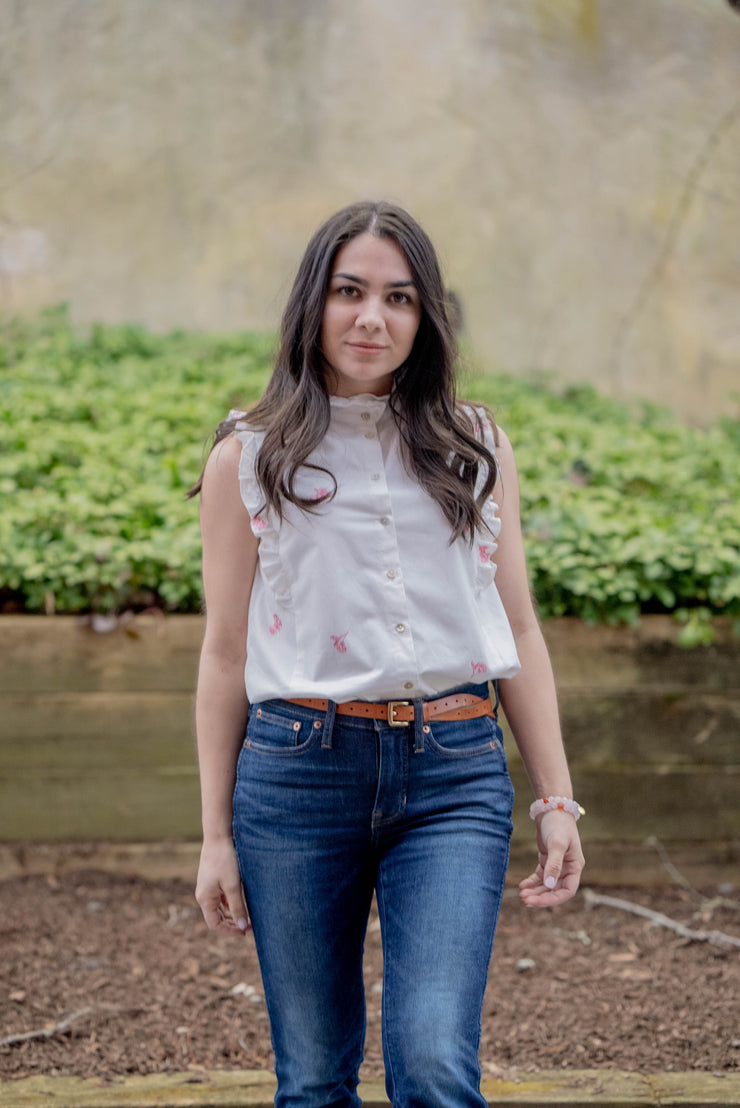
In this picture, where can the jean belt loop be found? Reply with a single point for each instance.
(418, 726)
(497, 701)
(331, 712)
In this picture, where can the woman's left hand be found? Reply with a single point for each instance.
(560, 862)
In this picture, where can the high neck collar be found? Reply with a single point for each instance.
(358, 400)
(364, 409)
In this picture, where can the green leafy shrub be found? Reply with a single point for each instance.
(99, 439)
(625, 510)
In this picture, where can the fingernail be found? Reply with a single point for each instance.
(550, 882)
(242, 924)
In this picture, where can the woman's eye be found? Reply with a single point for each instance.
(347, 290)
(400, 298)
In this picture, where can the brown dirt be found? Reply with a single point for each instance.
(606, 989)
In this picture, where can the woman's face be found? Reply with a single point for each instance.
(371, 316)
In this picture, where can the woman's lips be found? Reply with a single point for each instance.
(366, 347)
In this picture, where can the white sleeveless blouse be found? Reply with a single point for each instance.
(366, 599)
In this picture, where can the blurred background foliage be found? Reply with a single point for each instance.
(625, 510)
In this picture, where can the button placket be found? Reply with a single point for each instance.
(396, 609)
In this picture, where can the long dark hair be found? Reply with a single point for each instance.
(443, 448)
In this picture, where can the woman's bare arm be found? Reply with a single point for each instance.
(221, 708)
(530, 703)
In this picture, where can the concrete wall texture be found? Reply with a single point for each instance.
(576, 161)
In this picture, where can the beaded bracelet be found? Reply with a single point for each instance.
(553, 803)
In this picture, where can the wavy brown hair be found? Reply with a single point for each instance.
(440, 445)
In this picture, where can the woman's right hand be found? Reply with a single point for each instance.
(219, 889)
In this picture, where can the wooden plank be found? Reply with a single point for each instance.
(88, 730)
(149, 803)
(160, 652)
(135, 805)
(609, 863)
(614, 862)
(63, 653)
(681, 802)
(648, 726)
(145, 727)
(648, 655)
(116, 759)
(155, 861)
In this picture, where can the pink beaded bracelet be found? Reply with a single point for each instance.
(554, 803)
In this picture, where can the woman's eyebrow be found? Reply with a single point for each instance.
(361, 281)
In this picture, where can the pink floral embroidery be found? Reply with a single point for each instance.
(339, 644)
(478, 667)
(258, 523)
(483, 552)
(277, 623)
(319, 493)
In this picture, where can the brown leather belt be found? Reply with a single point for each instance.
(400, 713)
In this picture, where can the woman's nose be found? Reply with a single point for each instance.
(370, 315)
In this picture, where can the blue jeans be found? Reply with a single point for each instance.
(329, 808)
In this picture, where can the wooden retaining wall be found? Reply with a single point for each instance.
(96, 742)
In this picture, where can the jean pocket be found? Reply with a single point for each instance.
(469, 738)
(272, 733)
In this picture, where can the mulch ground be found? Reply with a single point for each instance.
(124, 978)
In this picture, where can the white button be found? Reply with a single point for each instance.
(408, 684)
(400, 627)
(391, 574)
(369, 434)
(384, 520)
(375, 477)
(366, 415)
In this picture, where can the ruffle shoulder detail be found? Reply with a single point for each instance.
(251, 494)
(264, 522)
(484, 545)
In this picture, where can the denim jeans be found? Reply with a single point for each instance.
(328, 809)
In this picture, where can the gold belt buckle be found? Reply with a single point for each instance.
(393, 706)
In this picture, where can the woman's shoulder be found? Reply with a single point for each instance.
(224, 459)
(238, 425)
(234, 437)
(482, 422)
(238, 428)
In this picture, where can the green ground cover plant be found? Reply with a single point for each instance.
(625, 510)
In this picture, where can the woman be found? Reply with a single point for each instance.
(347, 740)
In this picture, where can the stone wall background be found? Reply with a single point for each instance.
(576, 161)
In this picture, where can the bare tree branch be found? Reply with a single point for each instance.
(717, 938)
(45, 1032)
